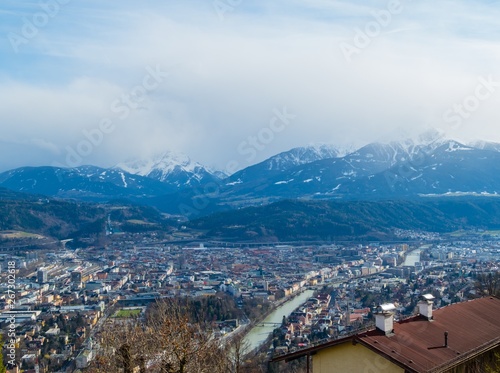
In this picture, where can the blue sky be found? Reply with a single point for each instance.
(231, 64)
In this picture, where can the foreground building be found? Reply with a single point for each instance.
(463, 337)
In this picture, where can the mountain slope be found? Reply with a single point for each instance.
(450, 169)
(284, 161)
(55, 218)
(86, 182)
(293, 220)
(327, 176)
(59, 219)
(7, 194)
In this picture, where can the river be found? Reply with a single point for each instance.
(259, 333)
(414, 256)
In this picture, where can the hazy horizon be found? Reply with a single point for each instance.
(222, 80)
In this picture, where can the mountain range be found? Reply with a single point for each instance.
(427, 167)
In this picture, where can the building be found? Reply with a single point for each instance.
(76, 277)
(84, 358)
(42, 276)
(463, 337)
(19, 317)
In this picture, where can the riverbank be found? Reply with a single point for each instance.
(263, 328)
(277, 304)
(413, 256)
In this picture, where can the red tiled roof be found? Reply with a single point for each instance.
(355, 317)
(418, 344)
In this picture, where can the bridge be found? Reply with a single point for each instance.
(262, 324)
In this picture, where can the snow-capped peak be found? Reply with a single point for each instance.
(169, 167)
(166, 162)
(303, 155)
(324, 151)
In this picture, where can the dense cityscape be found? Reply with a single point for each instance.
(58, 299)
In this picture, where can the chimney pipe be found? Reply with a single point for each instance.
(425, 306)
(384, 318)
(445, 339)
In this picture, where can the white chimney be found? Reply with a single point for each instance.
(384, 318)
(425, 306)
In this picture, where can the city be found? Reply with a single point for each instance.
(62, 297)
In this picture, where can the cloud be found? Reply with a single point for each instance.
(228, 74)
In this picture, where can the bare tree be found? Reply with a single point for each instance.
(123, 347)
(488, 283)
(166, 342)
(185, 346)
(237, 348)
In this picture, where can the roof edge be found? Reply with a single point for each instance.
(468, 356)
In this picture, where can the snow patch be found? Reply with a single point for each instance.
(123, 179)
(235, 182)
(460, 194)
(283, 182)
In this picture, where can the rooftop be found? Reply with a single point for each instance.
(418, 345)
(473, 327)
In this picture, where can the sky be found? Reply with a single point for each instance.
(236, 81)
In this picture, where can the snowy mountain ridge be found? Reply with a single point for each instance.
(302, 155)
(170, 167)
(427, 165)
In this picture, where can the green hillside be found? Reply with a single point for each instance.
(328, 220)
